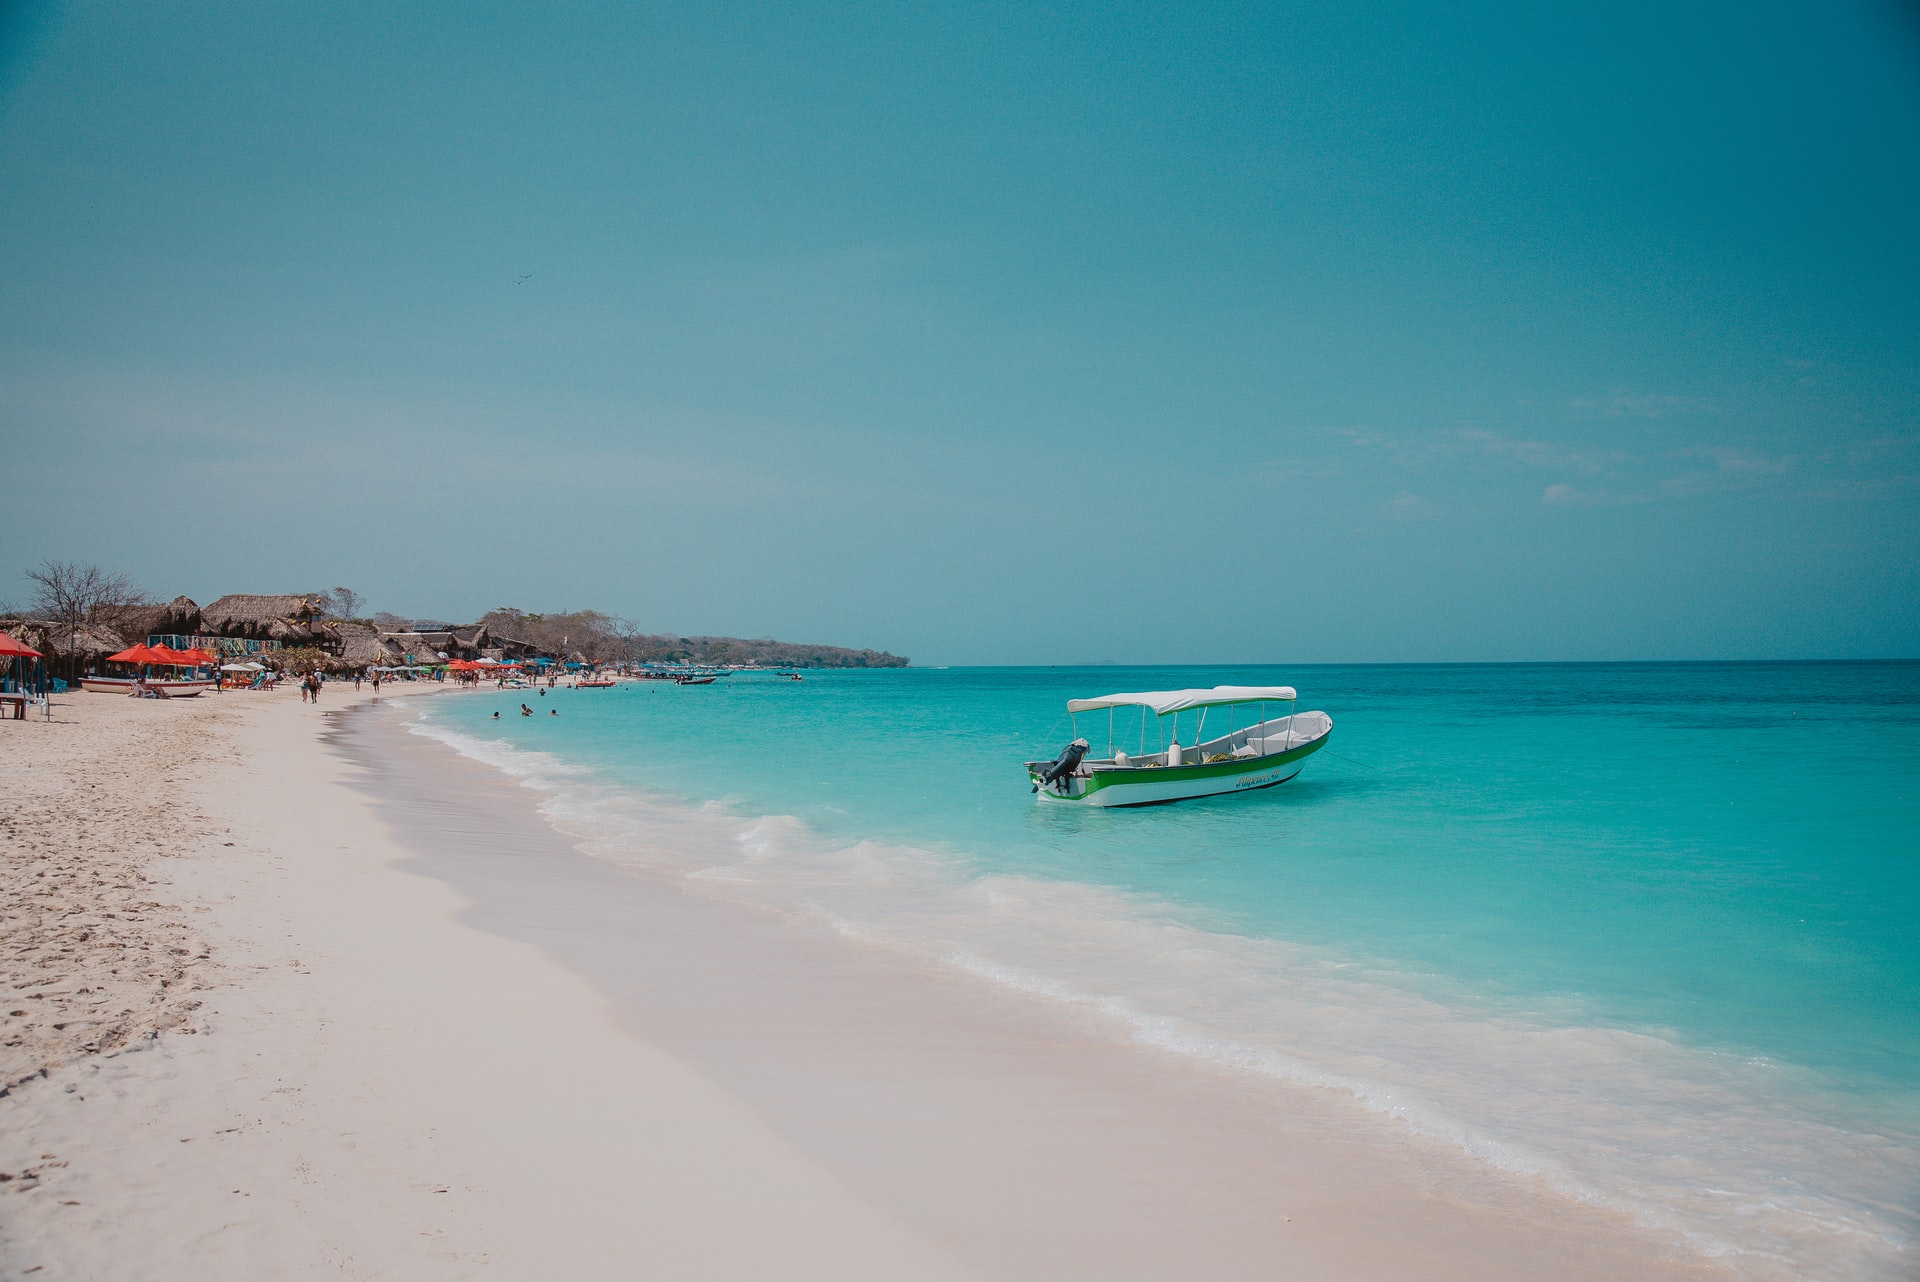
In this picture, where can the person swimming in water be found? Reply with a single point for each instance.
(525, 711)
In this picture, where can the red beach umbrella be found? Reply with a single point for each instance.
(169, 657)
(140, 654)
(12, 648)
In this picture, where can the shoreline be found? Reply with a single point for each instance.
(543, 1060)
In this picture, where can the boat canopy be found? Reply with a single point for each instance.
(1165, 701)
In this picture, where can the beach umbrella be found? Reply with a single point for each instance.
(14, 652)
(168, 657)
(139, 654)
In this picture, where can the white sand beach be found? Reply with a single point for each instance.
(305, 996)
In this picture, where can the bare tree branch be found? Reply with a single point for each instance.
(341, 603)
(70, 591)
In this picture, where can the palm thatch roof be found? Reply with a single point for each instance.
(503, 647)
(178, 617)
(88, 641)
(424, 647)
(288, 617)
(362, 646)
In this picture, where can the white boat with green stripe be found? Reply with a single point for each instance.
(1265, 752)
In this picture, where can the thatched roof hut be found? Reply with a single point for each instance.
(178, 617)
(289, 618)
(470, 641)
(362, 646)
(424, 647)
(511, 648)
(88, 641)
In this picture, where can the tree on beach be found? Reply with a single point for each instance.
(605, 638)
(628, 636)
(341, 603)
(588, 633)
(69, 591)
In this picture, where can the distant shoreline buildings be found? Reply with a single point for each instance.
(296, 630)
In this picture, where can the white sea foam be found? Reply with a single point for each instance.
(1749, 1160)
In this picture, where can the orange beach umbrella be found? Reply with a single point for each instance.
(11, 647)
(141, 654)
(167, 656)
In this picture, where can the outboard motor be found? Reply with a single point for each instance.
(1064, 765)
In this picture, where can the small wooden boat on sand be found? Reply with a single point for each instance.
(163, 688)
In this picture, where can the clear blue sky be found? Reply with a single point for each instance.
(984, 334)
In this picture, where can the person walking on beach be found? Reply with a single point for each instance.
(303, 689)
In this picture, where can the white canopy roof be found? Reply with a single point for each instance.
(1165, 701)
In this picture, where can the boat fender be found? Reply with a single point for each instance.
(1173, 753)
(1122, 760)
(1065, 764)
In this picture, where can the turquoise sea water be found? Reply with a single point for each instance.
(1648, 931)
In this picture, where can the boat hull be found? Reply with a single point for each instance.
(1157, 785)
(167, 689)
